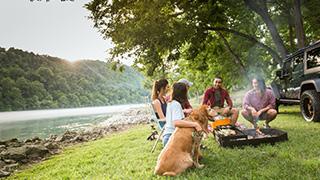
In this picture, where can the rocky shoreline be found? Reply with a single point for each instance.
(15, 154)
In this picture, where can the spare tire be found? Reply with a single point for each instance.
(310, 105)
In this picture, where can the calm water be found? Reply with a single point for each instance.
(44, 127)
(42, 123)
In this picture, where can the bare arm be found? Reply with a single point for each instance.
(187, 124)
(247, 106)
(157, 109)
(265, 109)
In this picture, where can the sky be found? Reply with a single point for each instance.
(56, 28)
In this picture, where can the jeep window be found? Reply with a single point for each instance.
(287, 69)
(313, 58)
(297, 62)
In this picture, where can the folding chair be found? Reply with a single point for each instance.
(155, 119)
(159, 125)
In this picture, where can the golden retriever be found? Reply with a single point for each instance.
(183, 149)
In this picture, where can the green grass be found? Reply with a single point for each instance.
(126, 155)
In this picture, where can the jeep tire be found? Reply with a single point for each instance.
(310, 105)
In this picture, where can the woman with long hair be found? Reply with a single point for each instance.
(175, 112)
(259, 104)
(159, 91)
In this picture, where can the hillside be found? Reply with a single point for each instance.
(31, 81)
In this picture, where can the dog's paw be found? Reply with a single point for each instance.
(200, 166)
(197, 165)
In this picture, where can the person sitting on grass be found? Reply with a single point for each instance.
(259, 104)
(175, 113)
(215, 97)
(159, 91)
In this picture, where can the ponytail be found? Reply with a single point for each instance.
(157, 86)
(155, 93)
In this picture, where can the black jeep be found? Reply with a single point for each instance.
(298, 81)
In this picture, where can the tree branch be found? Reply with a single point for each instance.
(273, 53)
(236, 57)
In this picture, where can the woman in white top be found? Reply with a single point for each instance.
(174, 114)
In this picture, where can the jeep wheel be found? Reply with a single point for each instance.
(310, 105)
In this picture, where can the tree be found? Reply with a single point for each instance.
(260, 7)
(45, 74)
(157, 33)
(29, 81)
(299, 24)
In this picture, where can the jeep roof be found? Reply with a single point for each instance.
(289, 56)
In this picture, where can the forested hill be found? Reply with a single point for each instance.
(30, 81)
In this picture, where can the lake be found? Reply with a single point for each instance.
(42, 123)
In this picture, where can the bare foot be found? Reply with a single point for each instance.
(259, 132)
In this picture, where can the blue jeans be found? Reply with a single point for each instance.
(165, 139)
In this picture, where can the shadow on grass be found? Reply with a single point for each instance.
(291, 113)
(289, 110)
(298, 113)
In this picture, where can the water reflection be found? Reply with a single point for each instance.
(44, 127)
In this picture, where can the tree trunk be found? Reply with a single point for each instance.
(291, 37)
(260, 7)
(290, 27)
(300, 34)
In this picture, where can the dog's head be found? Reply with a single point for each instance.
(202, 115)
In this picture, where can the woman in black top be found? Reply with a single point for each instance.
(159, 91)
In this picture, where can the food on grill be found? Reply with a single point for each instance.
(226, 132)
(234, 137)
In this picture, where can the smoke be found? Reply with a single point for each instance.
(238, 95)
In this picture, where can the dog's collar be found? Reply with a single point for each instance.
(197, 134)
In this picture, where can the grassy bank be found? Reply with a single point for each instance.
(126, 155)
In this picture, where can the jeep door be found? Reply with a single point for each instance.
(295, 77)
